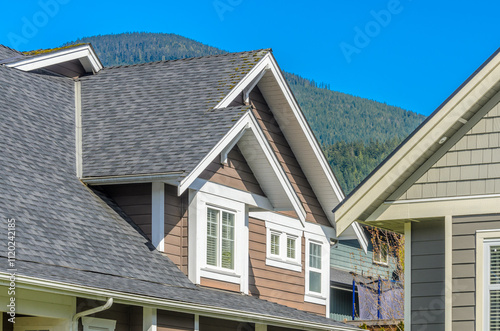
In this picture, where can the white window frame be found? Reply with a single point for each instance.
(483, 238)
(89, 322)
(197, 248)
(219, 237)
(318, 297)
(281, 260)
(486, 279)
(377, 255)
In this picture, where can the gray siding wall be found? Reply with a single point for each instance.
(427, 276)
(348, 255)
(470, 167)
(464, 267)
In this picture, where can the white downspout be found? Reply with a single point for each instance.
(74, 323)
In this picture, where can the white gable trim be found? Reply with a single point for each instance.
(480, 87)
(269, 64)
(247, 122)
(84, 53)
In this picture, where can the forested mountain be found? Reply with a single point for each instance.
(356, 133)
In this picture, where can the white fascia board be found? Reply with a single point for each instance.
(278, 169)
(248, 122)
(251, 76)
(360, 234)
(227, 192)
(451, 112)
(49, 286)
(228, 139)
(266, 64)
(168, 178)
(83, 53)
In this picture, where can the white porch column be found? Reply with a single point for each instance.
(260, 327)
(407, 276)
(158, 216)
(149, 321)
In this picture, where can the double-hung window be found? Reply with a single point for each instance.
(220, 238)
(315, 267)
(492, 285)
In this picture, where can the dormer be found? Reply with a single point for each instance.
(70, 61)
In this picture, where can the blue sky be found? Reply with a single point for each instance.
(408, 53)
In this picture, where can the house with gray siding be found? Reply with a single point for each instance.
(352, 262)
(441, 188)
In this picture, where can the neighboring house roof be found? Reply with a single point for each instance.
(133, 115)
(68, 233)
(449, 122)
(8, 55)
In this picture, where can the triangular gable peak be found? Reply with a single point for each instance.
(447, 163)
(71, 61)
(266, 77)
(470, 168)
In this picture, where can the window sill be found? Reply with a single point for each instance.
(316, 298)
(220, 274)
(283, 264)
(382, 264)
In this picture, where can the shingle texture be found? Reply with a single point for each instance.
(133, 115)
(8, 54)
(69, 233)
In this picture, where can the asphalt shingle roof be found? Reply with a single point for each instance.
(8, 55)
(66, 231)
(133, 115)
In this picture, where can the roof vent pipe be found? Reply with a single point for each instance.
(74, 322)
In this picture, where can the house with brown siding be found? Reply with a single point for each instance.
(175, 195)
(441, 188)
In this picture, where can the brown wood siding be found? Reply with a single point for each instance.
(176, 227)
(127, 317)
(236, 173)
(286, 157)
(278, 285)
(464, 267)
(135, 201)
(219, 284)
(173, 321)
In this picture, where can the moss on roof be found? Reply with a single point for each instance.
(50, 50)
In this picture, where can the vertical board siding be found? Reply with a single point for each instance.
(286, 157)
(236, 173)
(278, 285)
(173, 321)
(470, 167)
(135, 201)
(464, 267)
(427, 276)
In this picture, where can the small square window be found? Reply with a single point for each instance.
(381, 253)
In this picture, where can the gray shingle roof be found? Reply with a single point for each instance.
(133, 115)
(64, 230)
(7, 53)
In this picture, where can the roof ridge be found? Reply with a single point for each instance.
(12, 49)
(50, 50)
(187, 58)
